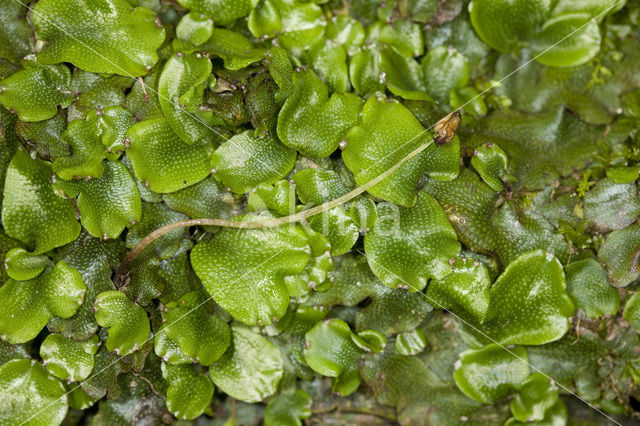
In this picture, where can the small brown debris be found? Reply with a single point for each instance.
(446, 128)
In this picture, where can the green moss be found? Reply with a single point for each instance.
(245, 195)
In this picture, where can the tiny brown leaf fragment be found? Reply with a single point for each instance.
(446, 128)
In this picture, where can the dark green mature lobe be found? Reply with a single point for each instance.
(15, 40)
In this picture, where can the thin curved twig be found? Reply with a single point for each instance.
(267, 223)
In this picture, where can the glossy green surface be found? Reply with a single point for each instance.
(29, 305)
(619, 255)
(22, 265)
(379, 142)
(582, 46)
(389, 245)
(30, 395)
(68, 359)
(189, 393)
(15, 41)
(246, 160)
(445, 70)
(224, 11)
(108, 204)
(194, 29)
(251, 368)
(36, 92)
(632, 310)
(163, 161)
(235, 49)
(491, 164)
(535, 397)
(410, 343)
(104, 37)
(313, 123)
(84, 152)
(254, 290)
(529, 304)
(589, 289)
(491, 373)
(500, 23)
(128, 323)
(333, 350)
(199, 334)
(397, 304)
(609, 206)
(181, 93)
(465, 290)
